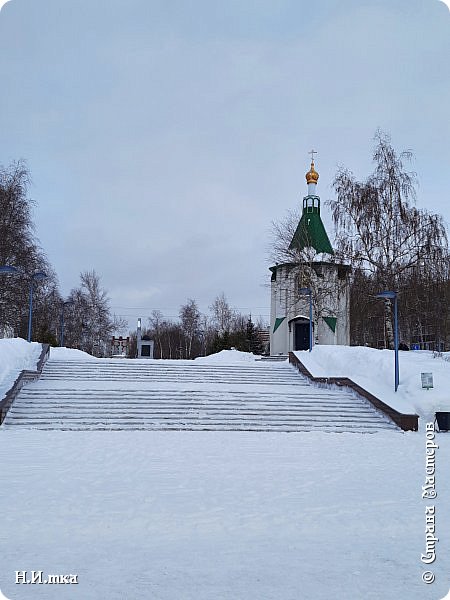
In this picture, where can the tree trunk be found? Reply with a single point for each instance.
(388, 323)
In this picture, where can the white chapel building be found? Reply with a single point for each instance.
(315, 274)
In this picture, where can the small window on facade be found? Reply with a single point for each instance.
(318, 269)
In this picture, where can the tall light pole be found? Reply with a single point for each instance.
(35, 277)
(388, 295)
(308, 292)
(63, 306)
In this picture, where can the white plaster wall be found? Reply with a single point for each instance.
(279, 340)
(326, 335)
(285, 304)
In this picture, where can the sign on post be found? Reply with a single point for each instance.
(427, 380)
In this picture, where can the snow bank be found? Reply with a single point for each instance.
(224, 357)
(227, 357)
(70, 354)
(374, 371)
(16, 354)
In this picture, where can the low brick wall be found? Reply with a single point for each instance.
(24, 378)
(404, 421)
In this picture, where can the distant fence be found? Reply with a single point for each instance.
(404, 421)
(25, 377)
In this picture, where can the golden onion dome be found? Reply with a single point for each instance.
(312, 175)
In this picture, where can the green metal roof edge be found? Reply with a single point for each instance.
(289, 264)
(314, 262)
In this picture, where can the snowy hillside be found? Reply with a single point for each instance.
(16, 355)
(374, 370)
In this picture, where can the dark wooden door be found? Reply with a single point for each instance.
(301, 341)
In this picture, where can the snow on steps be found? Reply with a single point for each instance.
(185, 395)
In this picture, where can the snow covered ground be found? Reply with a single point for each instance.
(221, 515)
(229, 515)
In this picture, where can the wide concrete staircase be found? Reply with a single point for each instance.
(107, 394)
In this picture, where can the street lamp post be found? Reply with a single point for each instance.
(307, 292)
(63, 306)
(35, 277)
(393, 296)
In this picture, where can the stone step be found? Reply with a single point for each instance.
(123, 397)
(197, 424)
(217, 380)
(262, 369)
(290, 391)
(169, 408)
(161, 402)
(183, 395)
(197, 414)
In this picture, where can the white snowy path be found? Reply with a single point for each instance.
(221, 515)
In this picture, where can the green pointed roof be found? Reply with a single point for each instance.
(310, 232)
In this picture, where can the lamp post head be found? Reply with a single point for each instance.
(39, 275)
(8, 269)
(386, 295)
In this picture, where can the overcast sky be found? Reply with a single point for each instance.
(163, 137)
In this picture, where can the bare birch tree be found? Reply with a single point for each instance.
(222, 314)
(190, 325)
(19, 248)
(378, 229)
(89, 323)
